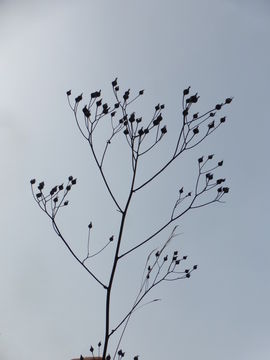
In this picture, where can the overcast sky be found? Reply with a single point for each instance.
(49, 307)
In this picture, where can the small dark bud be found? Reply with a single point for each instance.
(141, 92)
(157, 107)
(125, 122)
(218, 106)
(126, 132)
(149, 268)
(111, 238)
(210, 157)
(41, 186)
(99, 102)
(185, 257)
(86, 112)
(105, 110)
(195, 116)
(55, 199)
(174, 258)
(108, 357)
(116, 88)
(81, 357)
(146, 131)
(99, 344)
(162, 106)
(194, 98)
(212, 114)
(95, 94)
(157, 254)
(225, 190)
(116, 106)
(121, 121)
(68, 188)
(114, 83)
(113, 114)
(228, 100)
(132, 117)
(136, 357)
(38, 195)
(126, 95)
(33, 181)
(219, 190)
(209, 176)
(157, 120)
(185, 112)
(200, 160)
(140, 132)
(223, 119)
(61, 187)
(188, 275)
(91, 349)
(90, 225)
(163, 130)
(78, 98)
(68, 92)
(181, 190)
(74, 181)
(211, 125)
(138, 120)
(220, 163)
(70, 178)
(196, 131)
(195, 267)
(165, 258)
(186, 271)
(66, 203)
(186, 91)
(189, 194)
(175, 253)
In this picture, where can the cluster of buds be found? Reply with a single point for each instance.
(55, 198)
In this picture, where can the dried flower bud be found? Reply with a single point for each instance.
(140, 132)
(209, 176)
(188, 275)
(210, 157)
(38, 195)
(55, 199)
(86, 112)
(175, 253)
(138, 120)
(163, 130)
(177, 262)
(116, 88)
(99, 102)
(220, 163)
(186, 91)
(219, 181)
(66, 203)
(108, 357)
(146, 131)
(99, 344)
(111, 238)
(195, 116)
(225, 190)
(218, 106)
(126, 132)
(90, 225)
(68, 92)
(228, 100)
(157, 107)
(74, 181)
(41, 185)
(162, 106)
(165, 258)
(186, 271)
(219, 190)
(68, 188)
(70, 178)
(141, 92)
(114, 83)
(181, 190)
(185, 257)
(61, 187)
(189, 194)
(211, 125)
(157, 254)
(78, 98)
(185, 112)
(33, 181)
(95, 94)
(91, 349)
(196, 131)
(132, 117)
(126, 95)
(113, 113)
(200, 160)
(212, 114)
(223, 119)
(195, 267)
(116, 106)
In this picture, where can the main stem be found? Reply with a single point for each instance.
(115, 263)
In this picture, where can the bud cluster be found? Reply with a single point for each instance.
(51, 202)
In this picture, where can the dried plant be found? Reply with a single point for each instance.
(141, 138)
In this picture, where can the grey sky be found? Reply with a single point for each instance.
(48, 305)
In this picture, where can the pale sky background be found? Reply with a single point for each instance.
(49, 308)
